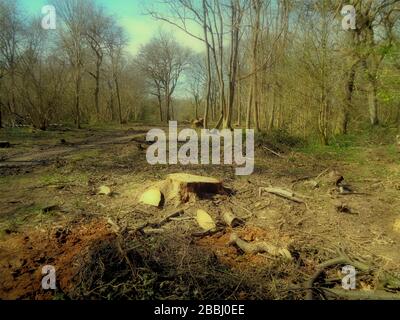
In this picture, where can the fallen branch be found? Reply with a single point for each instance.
(363, 295)
(321, 268)
(250, 213)
(289, 195)
(259, 247)
(273, 152)
(157, 225)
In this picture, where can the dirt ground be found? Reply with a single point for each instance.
(52, 214)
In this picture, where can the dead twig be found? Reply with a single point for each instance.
(159, 224)
(207, 233)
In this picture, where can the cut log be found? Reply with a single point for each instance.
(259, 247)
(104, 190)
(182, 187)
(230, 219)
(152, 197)
(205, 221)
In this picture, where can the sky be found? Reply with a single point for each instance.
(130, 14)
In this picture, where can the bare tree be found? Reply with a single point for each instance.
(11, 29)
(74, 16)
(198, 80)
(115, 43)
(96, 34)
(164, 60)
(42, 77)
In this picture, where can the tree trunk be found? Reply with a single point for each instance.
(208, 63)
(239, 111)
(172, 109)
(249, 104)
(349, 99)
(12, 104)
(373, 101)
(220, 121)
(160, 105)
(167, 104)
(196, 106)
(97, 89)
(111, 101)
(78, 80)
(273, 109)
(323, 119)
(118, 99)
(257, 5)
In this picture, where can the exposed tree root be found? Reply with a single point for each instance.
(344, 259)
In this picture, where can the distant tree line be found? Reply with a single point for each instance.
(267, 64)
(289, 64)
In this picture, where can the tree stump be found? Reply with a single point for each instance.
(183, 187)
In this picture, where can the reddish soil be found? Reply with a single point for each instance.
(23, 256)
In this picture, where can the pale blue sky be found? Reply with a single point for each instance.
(130, 15)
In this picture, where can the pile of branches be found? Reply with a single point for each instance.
(167, 266)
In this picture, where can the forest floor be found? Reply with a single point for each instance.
(52, 214)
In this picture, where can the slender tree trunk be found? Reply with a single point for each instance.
(249, 105)
(220, 121)
(373, 101)
(196, 106)
(257, 5)
(239, 104)
(172, 108)
(118, 99)
(323, 118)
(273, 109)
(160, 105)
(167, 104)
(78, 80)
(111, 102)
(208, 63)
(349, 99)
(371, 70)
(12, 105)
(97, 89)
